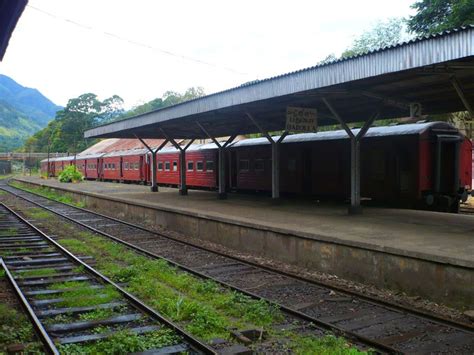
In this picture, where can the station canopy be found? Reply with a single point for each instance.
(436, 71)
(10, 12)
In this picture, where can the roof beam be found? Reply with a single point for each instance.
(461, 95)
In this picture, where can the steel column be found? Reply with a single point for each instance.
(355, 207)
(183, 189)
(275, 157)
(154, 179)
(222, 192)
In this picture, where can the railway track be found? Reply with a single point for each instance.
(43, 275)
(385, 327)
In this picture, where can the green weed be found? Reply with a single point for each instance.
(124, 342)
(9, 232)
(48, 193)
(38, 213)
(15, 328)
(37, 272)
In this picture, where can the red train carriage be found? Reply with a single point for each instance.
(111, 167)
(427, 165)
(472, 183)
(44, 167)
(61, 163)
(125, 166)
(404, 165)
(134, 165)
(201, 166)
(81, 165)
(92, 166)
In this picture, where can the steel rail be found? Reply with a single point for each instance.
(321, 324)
(48, 343)
(194, 342)
(375, 301)
(387, 305)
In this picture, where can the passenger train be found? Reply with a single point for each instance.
(421, 165)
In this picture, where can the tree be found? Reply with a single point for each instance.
(169, 98)
(65, 132)
(438, 15)
(383, 34)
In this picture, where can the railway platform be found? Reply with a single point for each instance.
(427, 254)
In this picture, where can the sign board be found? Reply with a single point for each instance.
(415, 110)
(300, 119)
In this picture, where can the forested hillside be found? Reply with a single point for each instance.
(23, 111)
(66, 132)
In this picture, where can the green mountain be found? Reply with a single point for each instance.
(23, 111)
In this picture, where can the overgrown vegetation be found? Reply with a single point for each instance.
(202, 307)
(123, 342)
(16, 329)
(70, 174)
(48, 193)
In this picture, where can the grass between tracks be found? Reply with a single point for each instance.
(202, 307)
(15, 328)
(48, 193)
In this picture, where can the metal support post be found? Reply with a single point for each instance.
(154, 179)
(275, 157)
(183, 189)
(222, 194)
(355, 207)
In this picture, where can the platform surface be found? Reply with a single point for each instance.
(439, 237)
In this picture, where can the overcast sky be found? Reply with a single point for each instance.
(140, 49)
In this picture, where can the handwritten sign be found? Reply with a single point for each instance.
(299, 119)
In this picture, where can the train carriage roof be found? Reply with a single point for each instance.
(121, 153)
(398, 130)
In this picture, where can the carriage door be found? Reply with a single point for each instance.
(140, 168)
(447, 163)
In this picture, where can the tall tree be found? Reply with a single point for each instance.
(65, 132)
(438, 15)
(169, 98)
(383, 34)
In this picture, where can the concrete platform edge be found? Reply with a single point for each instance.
(247, 224)
(440, 281)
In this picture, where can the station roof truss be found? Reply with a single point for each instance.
(436, 71)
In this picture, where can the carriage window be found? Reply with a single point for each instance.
(136, 166)
(105, 166)
(199, 166)
(160, 166)
(190, 165)
(292, 165)
(167, 166)
(243, 165)
(209, 165)
(259, 165)
(175, 166)
(126, 166)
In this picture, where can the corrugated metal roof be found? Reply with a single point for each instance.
(374, 67)
(100, 147)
